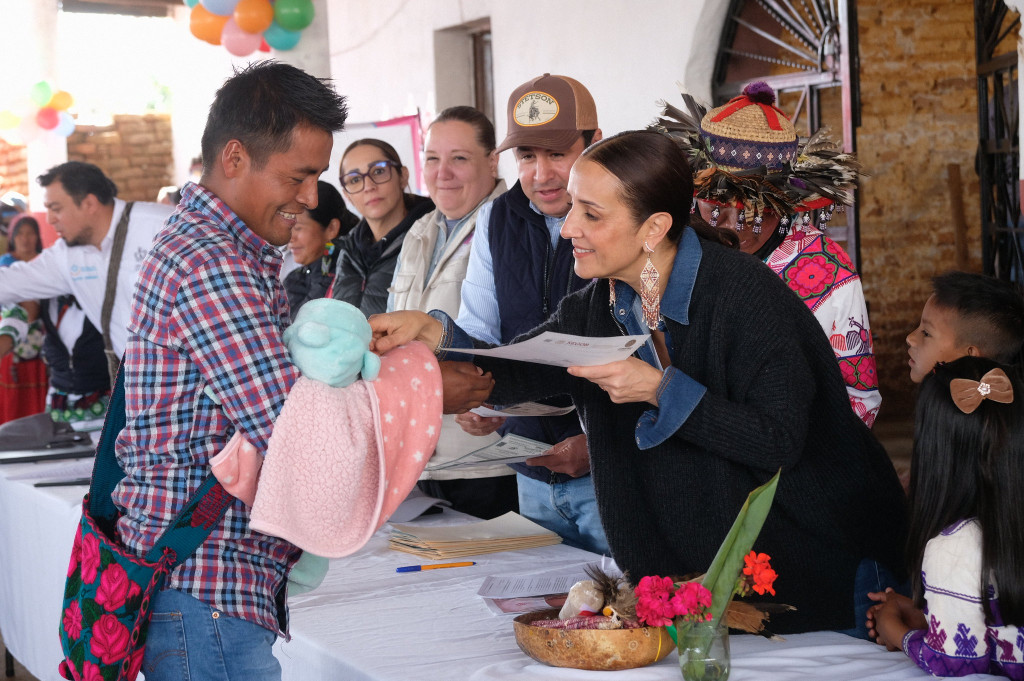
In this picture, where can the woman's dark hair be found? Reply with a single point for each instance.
(385, 148)
(970, 466)
(25, 222)
(474, 117)
(80, 179)
(655, 178)
(262, 104)
(330, 206)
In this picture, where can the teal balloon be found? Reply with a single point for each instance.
(293, 15)
(191, 3)
(281, 39)
(41, 93)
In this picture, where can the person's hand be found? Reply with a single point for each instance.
(892, 617)
(570, 456)
(398, 328)
(628, 380)
(465, 386)
(474, 424)
(6, 344)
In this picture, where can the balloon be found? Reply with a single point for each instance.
(281, 39)
(264, 47)
(9, 120)
(191, 3)
(41, 93)
(29, 129)
(66, 124)
(222, 8)
(47, 118)
(206, 26)
(238, 42)
(61, 100)
(254, 16)
(293, 15)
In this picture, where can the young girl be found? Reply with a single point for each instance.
(966, 538)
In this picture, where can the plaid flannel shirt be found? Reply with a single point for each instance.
(208, 311)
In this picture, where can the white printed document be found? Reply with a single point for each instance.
(524, 409)
(564, 350)
(511, 448)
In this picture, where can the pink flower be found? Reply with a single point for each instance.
(136, 665)
(67, 670)
(133, 591)
(91, 672)
(72, 621)
(113, 590)
(109, 639)
(653, 601)
(692, 601)
(90, 558)
(810, 276)
(76, 551)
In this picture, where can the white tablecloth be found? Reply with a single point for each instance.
(368, 622)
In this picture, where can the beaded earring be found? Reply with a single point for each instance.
(741, 218)
(715, 212)
(650, 298)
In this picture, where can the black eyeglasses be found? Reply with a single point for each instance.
(379, 172)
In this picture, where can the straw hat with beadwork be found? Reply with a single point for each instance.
(747, 153)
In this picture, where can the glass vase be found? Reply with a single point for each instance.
(704, 652)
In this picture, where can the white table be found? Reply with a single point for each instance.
(368, 622)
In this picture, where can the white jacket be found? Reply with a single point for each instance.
(82, 270)
(412, 290)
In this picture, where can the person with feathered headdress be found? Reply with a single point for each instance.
(753, 175)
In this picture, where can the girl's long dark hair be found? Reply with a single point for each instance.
(970, 466)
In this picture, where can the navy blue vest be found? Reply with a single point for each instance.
(530, 278)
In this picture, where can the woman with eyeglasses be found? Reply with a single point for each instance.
(374, 182)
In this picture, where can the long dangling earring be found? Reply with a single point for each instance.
(758, 219)
(650, 298)
(715, 212)
(741, 219)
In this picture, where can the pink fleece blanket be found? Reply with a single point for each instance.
(341, 460)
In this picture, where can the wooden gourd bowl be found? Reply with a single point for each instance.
(593, 649)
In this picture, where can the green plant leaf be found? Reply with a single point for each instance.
(725, 568)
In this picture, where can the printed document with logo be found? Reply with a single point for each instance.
(565, 350)
(511, 448)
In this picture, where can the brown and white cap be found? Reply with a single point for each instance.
(549, 112)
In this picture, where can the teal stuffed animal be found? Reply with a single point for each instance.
(330, 342)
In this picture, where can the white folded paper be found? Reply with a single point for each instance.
(565, 350)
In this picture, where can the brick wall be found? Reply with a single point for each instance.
(919, 113)
(135, 152)
(13, 169)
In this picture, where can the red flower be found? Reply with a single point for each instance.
(810, 276)
(90, 558)
(72, 622)
(653, 596)
(133, 591)
(693, 601)
(67, 670)
(762, 576)
(113, 590)
(91, 672)
(76, 551)
(136, 665)
(109, 639)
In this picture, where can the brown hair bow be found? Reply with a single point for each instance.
(968, 394)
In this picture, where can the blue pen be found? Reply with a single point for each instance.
(417, 568)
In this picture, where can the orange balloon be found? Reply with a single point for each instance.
(254, 16)
(206, 25)
(61, 100)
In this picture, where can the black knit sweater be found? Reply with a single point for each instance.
(775, 398)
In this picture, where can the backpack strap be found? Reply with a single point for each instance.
(193, 524)
(113, 268)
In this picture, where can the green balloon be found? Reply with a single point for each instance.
(293, 15)
(41, 93)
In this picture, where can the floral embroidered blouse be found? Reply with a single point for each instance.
(958, 641)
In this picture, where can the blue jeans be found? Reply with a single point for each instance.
(567, 508)
(871, 576)
(190, 641)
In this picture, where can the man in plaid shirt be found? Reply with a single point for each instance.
(205, 358)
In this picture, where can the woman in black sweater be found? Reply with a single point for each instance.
(736, 382)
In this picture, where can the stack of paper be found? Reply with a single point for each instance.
(509, 532)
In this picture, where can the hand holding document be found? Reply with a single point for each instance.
(524, 409)
(565, 350)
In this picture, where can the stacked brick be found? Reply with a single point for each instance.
(136, 152)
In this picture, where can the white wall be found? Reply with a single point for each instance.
(628, 54)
